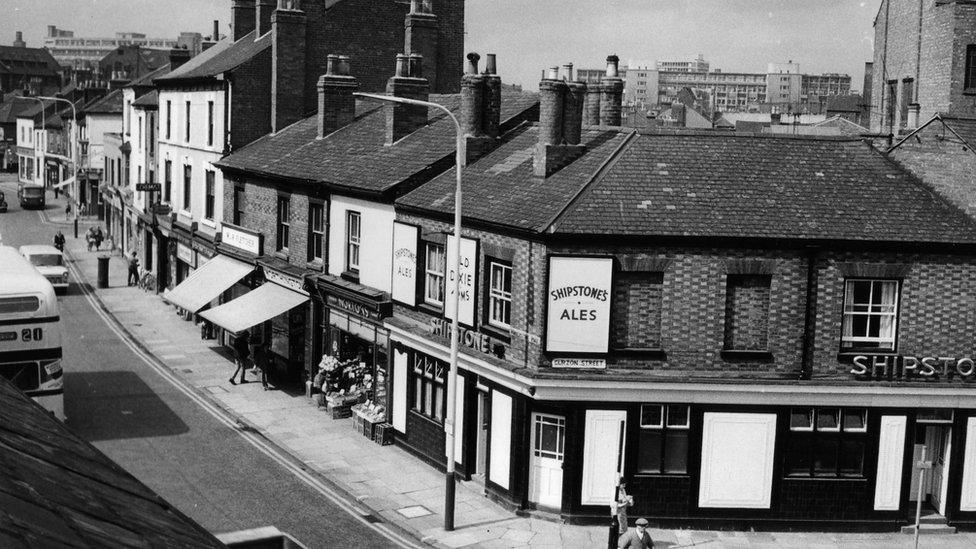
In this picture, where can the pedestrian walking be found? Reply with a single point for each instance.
(240, 357)
(98, 238)
(618, 512)
(638, 538)
(262, 359)
(59, 240)
(90, 238)
(133, 270)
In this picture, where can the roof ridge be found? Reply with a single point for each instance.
(611, 160)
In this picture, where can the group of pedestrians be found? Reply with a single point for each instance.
(259, 355)
(620, 537)
(94, 238)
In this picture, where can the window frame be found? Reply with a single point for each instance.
(169, 117)
(851, 344)
(969, 69)
(662, 429)
(353, 247)
(502, 295)
(167, 180)
(316, 235)
(428, 384)
(238, 205)
(210, 194)
(210, 123)
(440, 275)
(833, 442)
(187, 186)
(282, 223)
(187, 122)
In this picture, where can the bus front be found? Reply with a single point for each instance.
(30, 345)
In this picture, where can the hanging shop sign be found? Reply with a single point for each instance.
(281, 279)
(900, 367)
(186, 255)
(467, 276)
(405, 263)
(580, 363)
(471, 339)
(578, 316)
(240, 238)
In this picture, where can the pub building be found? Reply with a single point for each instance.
(322, 190)
(754, 330)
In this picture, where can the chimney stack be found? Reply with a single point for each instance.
(262, 16)
(216, 32)
(561, 107)
(611, 94)
(178, 56)
(19, 40)
(492, 113)
(481, 107)
(472, 98)
(420, 37)
(288, 24)
(408, 82)
(913, 110)
(242, 18)
(337, 106)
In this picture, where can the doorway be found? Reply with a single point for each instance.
(481, 435)
(546, 461)
(933, 433)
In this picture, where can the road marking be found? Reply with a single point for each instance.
(244, 431)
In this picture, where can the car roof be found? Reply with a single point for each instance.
(37, 249)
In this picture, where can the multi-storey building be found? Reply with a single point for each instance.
(85, 53)
(827, 84)
(925, 55)
(31, 69)
(783, 84)
(697, 64)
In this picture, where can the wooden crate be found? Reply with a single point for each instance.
(383, 434)
(341, 412)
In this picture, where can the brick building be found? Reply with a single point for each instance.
(671, 306)
(32, 69)
(924, 54)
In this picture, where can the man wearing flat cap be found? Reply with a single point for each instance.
(638, 538)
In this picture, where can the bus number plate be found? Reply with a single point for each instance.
(8, 336)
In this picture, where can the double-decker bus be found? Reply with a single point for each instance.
(30, 332)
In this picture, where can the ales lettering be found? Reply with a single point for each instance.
(584, 314)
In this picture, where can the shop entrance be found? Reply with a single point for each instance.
(933, 432)
(481, 435)
(546, 462)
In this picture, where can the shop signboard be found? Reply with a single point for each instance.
(467, 276)
(186, 255)
(405, 263)
(242, 239)
(468, 338)
(906, 368)
(281, 279)
(375, 314)
(578, 315)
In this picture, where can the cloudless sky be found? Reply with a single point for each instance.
(529, 35)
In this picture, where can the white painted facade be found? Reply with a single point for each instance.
(376, 248)
(96, 126)
(142, 155)
(199, 148)
(25, 141)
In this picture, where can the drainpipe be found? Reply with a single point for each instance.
(810, 316)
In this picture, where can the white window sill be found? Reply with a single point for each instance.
(209, 223)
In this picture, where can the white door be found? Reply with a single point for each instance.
(938, 454)
(546, 461)
(482, 434)
(603, 455)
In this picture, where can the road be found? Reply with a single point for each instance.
(157, 432)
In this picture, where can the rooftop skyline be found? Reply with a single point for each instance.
(832, 36)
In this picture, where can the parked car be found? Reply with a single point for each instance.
(50, 262)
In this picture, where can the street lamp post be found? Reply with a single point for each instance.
(450, 481)
(74, 155)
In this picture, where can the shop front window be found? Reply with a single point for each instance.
(870, 314)
(826, 442)
(429, 387)
(663, 439)
(434, 277)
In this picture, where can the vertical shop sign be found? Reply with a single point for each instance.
(468, 277)
(578, 301)
(405, 263)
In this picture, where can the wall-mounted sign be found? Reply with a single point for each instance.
(591, 363)
(186, 255)
(468, 280)
(375, 314)
(468, 338)
(281, 279)
(149, 187)
(242, 239)
(888, 367)
(405, 263)
(578, 316)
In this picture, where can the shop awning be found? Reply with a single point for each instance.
(208, 282)
(263, 303)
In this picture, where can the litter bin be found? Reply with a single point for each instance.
(103, 271)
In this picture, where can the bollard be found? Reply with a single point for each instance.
(103, 271)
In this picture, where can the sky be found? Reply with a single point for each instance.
(530, 35)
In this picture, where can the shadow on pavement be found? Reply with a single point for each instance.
(116, 405)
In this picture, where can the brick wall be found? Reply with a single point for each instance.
(939, 160)
(250, 100)
(963, 33)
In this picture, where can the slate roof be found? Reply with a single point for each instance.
(500, 188)
(147, 79)
(356, 156)
(740, 186)
(110, 103)
(149, 99)
(57, 490)
(12, 107)
(223, 56)
(28, 61)
(844, 125)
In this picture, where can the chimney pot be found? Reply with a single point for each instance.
(402, 66)
(553, 73)
(613, 63)
(490, 65)
(343, 65)
(402, 119)
(216, 31)
(420, 6)
(568, 72)
(331, 61)
(336, 104)
(416, 65)
(472, 67)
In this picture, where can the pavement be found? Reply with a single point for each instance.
(391, 485)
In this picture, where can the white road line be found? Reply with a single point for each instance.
(256, 441)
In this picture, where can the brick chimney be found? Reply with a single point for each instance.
(420, 37)
(409, 83)
(19, 40)
(611, 94)
(242, 18)
(560, 120)
(472, 98)
(288, 24)
(493, 98)
(337, 106)
(177, 57)
(913, 110)
(592, 108)
(262, 16)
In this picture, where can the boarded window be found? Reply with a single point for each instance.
(637, 310)
(747, 313)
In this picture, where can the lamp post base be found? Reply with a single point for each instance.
(449, 489)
